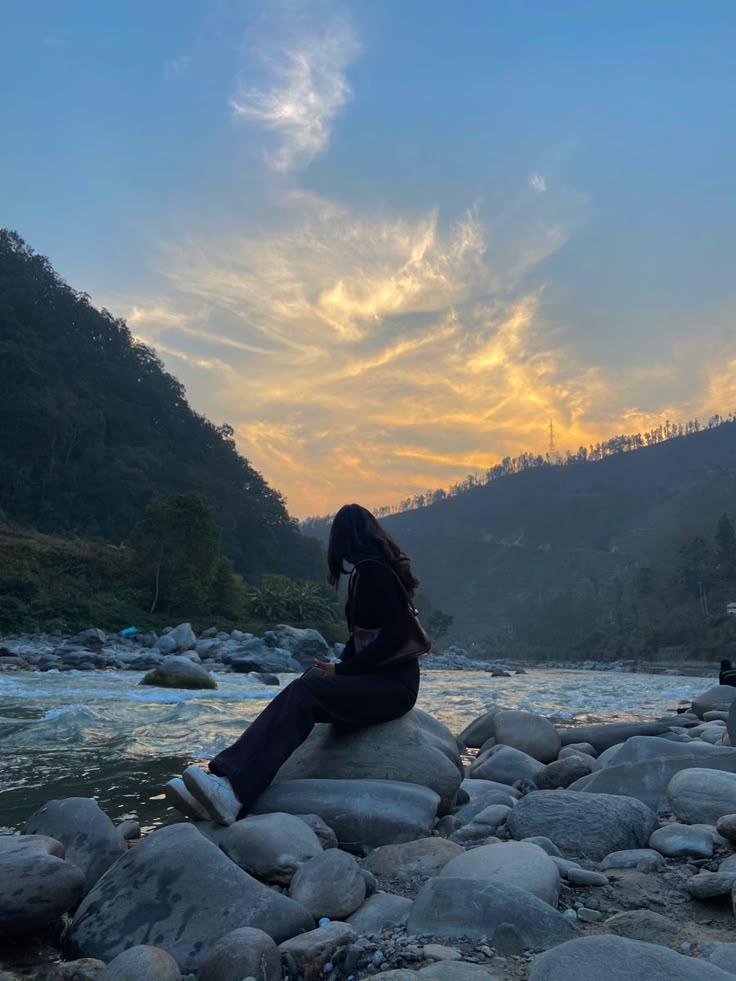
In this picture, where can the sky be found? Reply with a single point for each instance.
(389, 241)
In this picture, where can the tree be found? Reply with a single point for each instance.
(724, 557)
(438, 623)
(177, 545)
(694, 562)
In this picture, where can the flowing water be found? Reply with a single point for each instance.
(80, 733)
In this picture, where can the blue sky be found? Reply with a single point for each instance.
(389, 241)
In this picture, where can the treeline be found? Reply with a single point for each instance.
(624, 443)
(93, 429)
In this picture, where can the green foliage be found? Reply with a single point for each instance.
(438, 623)
(176, 547)
(93, 429)
(296, 601)
(724, 557)
(228, 593)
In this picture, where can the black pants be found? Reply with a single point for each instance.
(252, 762)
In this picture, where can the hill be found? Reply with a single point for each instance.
(588, 559)
(92, 429)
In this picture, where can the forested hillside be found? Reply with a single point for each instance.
(624, 557)
(92, 429)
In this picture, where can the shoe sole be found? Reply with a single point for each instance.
(179, 797)
(195, 780)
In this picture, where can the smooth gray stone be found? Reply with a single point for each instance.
(718, 698)
(310, 952)
(426, 856)
(529, 732)
(724, 956)
(304, 645)
(585, 877)
(684, 840)
(30, 844)
(562, 773)
(644, 925)
(178, 890)
(506, 765)
(362, 813)
(331, 884)
(702, 796)
(481, 729)
(142, 963)
(457, 971)
(644, 766)
(605, 735)
(179, 672)
(476, 788)
(475, 908)
(270, 847)
(413, 749)
(514, 863)
(629, 858)
(242, 953)
(471, 810)
(548, 846)
(586, 749)
(731, 724)
(590, 825)
(379, 912)
(90, 839)
(36, 888)
(620, 959)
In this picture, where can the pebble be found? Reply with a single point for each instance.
(570, 914)
(378, 958)
(584, 877)
(589, 915)
(438, 952)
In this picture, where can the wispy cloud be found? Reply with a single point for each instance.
(538, 183)
(308, 88)
(176, 68)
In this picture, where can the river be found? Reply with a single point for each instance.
(97, 734)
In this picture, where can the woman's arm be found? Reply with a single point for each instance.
(379, 602)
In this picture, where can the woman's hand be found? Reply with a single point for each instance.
(326, 667)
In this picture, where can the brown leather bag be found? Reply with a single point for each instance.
(415, 643)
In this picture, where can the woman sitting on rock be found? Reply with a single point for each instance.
(376, 679)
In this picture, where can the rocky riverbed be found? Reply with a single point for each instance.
(516, 848)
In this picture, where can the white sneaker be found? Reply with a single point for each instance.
(179, 797)
(215, 794)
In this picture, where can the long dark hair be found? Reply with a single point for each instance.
(355, 534)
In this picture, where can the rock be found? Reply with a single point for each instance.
(37, 887)
(644, 766)
(564, 864)
(90, 839)
(179, 672)
(84, 969)
(31, 844)
(177, 888)
(630, 858)
(483, 825)
(438, 952)
(589, 915)
(94, 638)
(331, 884)
(584, 749)
(403, 975)
(724, 956)
(477, 908)
(585, 877)
(644, 925)
(590, 825)
(380, 911)
(506, 765)
(167, 644)
(142, 963)
(603, 736)
(544, 843)
(241, 954)
(254, 655)
(683, 840)
(563, 772)
(726, 826)
(456, 971)
(719, 699)
(271, 847)
(620, 959)
(514, 863)
(426, 856)
(470, 811)
(311, 951)
(699, 796)
(272, 680)
(325, 834)
(477, 788)
(130, 830)
(183, 636)
(362, 813)
(528, 732)
(711, 885)
(413, 749)
(305, 646)
(481, 729)
(207, 648)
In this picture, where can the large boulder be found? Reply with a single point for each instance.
(305, 646)
(177, 889)
(476, 908)
(331, 884)
(243, 953)
(514, 863)
(90, 839)
(644, 766)
(481, 729)
(142, 963)
(603, 736)
(362, 813)
(271, 847)
(700, 796)
(426, 856)
(179, 672)
(620, 959)
(412, 749)
(256, 655)
(504, 764)
(37, 887)
(583, 825)
(531, 733)
(718, 699)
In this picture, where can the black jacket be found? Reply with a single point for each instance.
(377, 601)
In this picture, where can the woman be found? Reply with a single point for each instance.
(373, 681)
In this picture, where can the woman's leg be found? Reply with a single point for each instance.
(252, 762)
